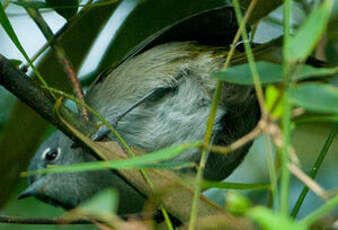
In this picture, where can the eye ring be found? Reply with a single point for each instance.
(51, 154)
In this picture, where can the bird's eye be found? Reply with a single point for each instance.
(51, 154)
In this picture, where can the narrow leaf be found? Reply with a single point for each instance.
(10, 31)
(307, 36)
(32, 4)
(321, 98)
(16, 62)
(268, 219)
(65, 8)
(237, 186)
(144, 161)
(320, 212)
(269, 73)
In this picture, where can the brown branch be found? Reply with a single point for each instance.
(38, 98)
(51, 221)
(61, 56)
(66, 221)
(68, 68)
(308, 181)
(238, 143)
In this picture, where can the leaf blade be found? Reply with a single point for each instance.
(321, 98)
(311, 30)
(269, 73)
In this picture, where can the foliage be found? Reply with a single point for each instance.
(290, 86)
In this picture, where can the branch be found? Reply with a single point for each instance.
(65, 221)
(38, 98)
(52, 221)
(61, 56)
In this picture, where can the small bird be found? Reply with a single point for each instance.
(157, 97)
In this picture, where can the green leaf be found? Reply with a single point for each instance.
(238, 186)
(311, 118)
(16, 62)
(271, 220)
(32, 4)
(327, 207)
(321, 98)
(102, 204)
(236, 203)
(10, 31)
(168, 165)
(269, 73)
(307, 36)
(271, 95)
(144, 161)
(66, 8)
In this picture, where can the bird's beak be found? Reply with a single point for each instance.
(32, 190)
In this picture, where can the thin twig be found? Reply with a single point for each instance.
(320, 212)
(65, 221)
(6, 4)
(38, 99)
(61, 55)
(272, 169)
(51, 221)
(237, 144)
(57, 35)
(308, 181)
(285, 174)
(315, 169)
(250, 56)
(210, 122)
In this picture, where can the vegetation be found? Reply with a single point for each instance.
(293, 88)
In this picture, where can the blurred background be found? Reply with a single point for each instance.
(130, 22)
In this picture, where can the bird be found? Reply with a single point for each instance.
(159, 95)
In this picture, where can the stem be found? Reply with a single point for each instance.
(207, 137)
(5, 4)
(37, 221)
(315, 169)
(11, 33)
(316, 215)
(211, 119)
(306, 180)
(285, 173)
(251, 59)
(61, 54)
(237, 144)
(167, 218)
(272, 169)
(62, 221)
(37, 98)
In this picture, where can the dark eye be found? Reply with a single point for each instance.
(51, 154)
